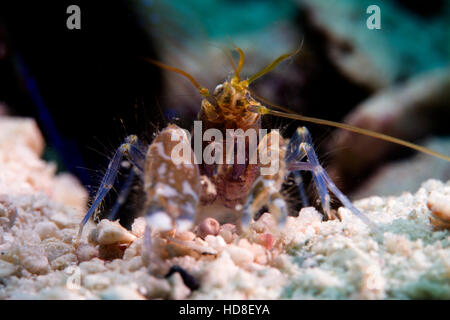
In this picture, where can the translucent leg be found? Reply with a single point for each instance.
(264, 192)
(296, 153)
(301, 188)
(123, 195)
(323, 181)
(128, 149)
(278, 206)
(147, 253)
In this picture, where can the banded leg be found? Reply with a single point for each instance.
(303, 138)
(172, 179)
(294, 153)
(129, 149)
(172, 186)
(325, 182)
(266, 189)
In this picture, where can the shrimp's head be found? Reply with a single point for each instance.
(229, 102)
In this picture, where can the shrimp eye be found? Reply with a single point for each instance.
(218, 90)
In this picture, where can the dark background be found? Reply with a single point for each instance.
(86, 88)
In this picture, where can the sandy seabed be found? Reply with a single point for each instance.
(40, 212)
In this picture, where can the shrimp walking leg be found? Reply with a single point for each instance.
(322, 180)
(266, 189)
(132, 152)
(123, 195)
(299, 147)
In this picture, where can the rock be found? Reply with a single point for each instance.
(152, 287)
(68, 191)
(22, 170)
(239, 255)
(134, 249)
(267, 240)
(96, 282)
(110, 232)
(138, 227)
(46, 229)
(266, 223)
(121, 293)
(64, 221)
(8, 214)
(375, 58)
(61, 262)
(55, 248)
(92, 266)
(21, 131)
(134, 264)
(34, 260)
(111, 251)
(55, 294)
(439, 204)
(216, 242)
(209, 226)
(7, 269)
(179, 290)
(86, 252)
(228, 232)
(424, 167)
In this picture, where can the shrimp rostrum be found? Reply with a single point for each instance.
(228, 167)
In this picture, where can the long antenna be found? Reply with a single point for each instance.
(370, 133)
(273, 64)
(241, 62)
(203, 91)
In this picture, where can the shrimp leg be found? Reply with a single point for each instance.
(129, 149)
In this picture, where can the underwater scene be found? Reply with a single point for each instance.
(225, 150)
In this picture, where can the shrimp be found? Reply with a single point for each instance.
(182, 190)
